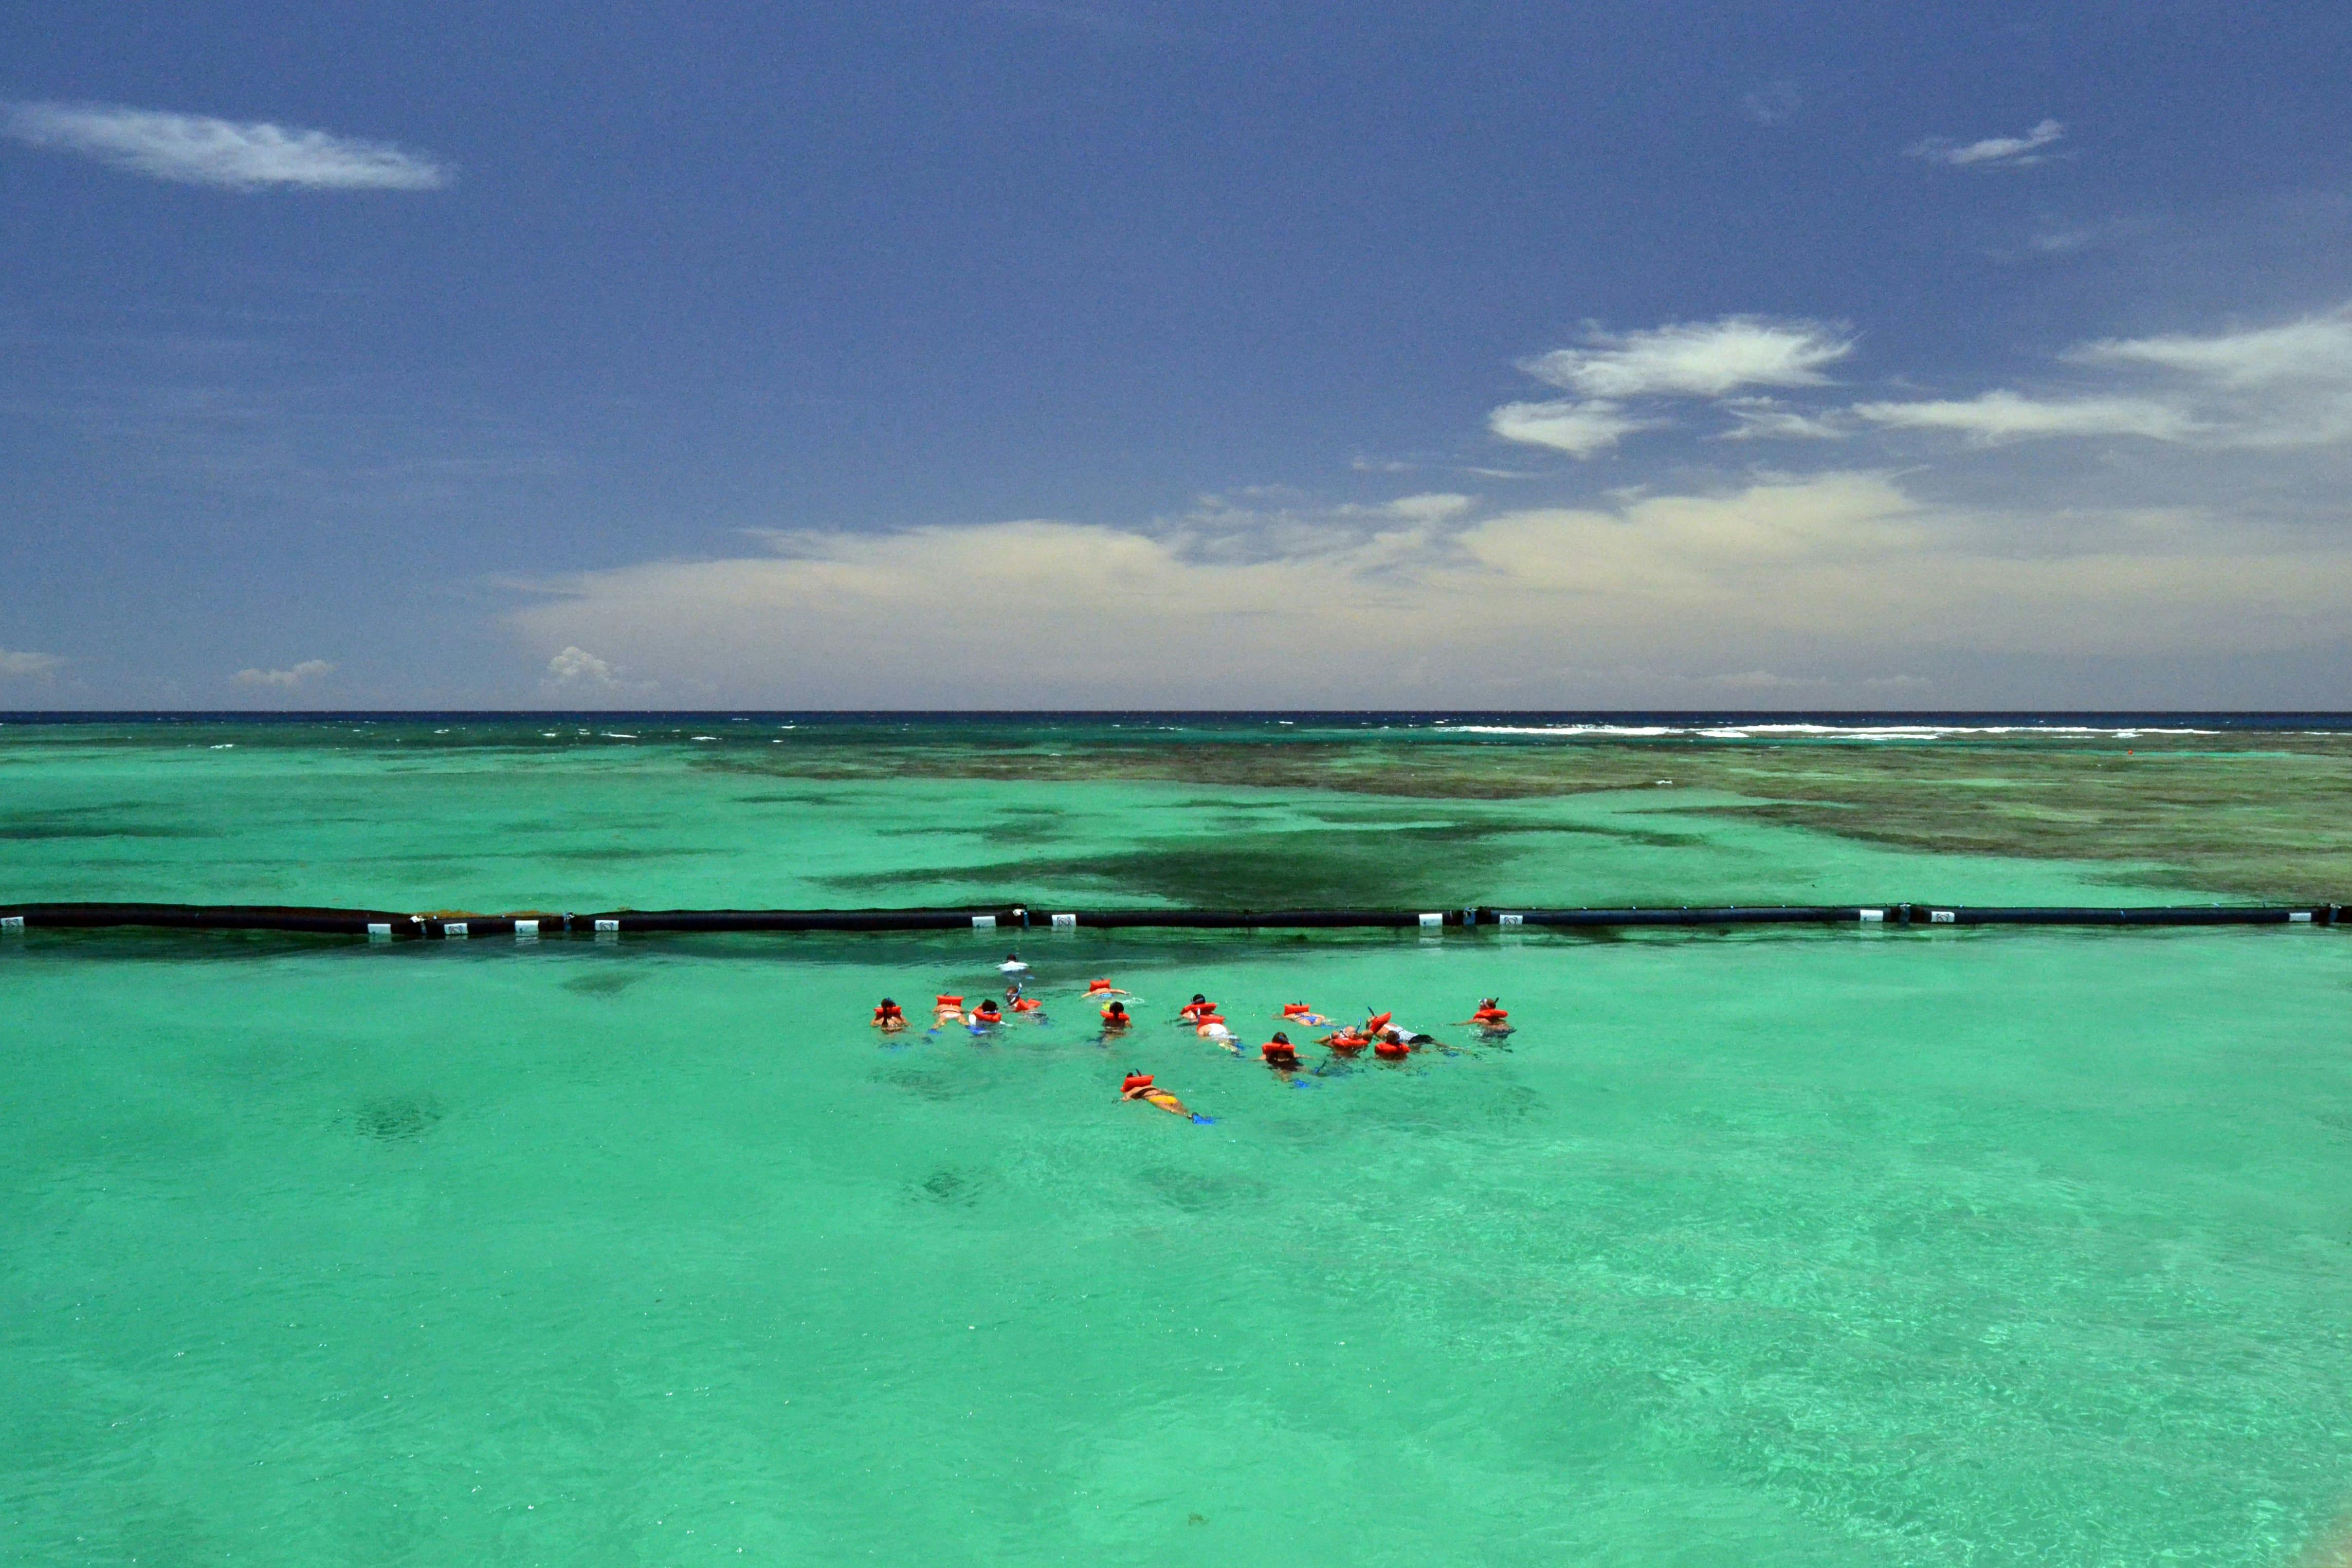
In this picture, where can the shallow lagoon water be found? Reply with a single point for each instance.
(1901, 1247)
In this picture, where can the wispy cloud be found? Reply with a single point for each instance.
(21, 665)
(2288, 385)
(1580, 429)
(1697, 359)
(302, 674)
(1993, 152)
(1994, 417)
(1680, 359)
(1774, 103)
(199, 149)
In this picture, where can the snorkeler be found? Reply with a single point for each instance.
(888, 1017)
(1104, 988)
(1490, 1018)
(1115, 1016)
(1278, 1052)
(1306, 1017)
(1019, 1002)
(985, 1016)
(1390, 1044)
(1138, 1086)
(946, 1010)
(1013, 966)
(1191, 1012)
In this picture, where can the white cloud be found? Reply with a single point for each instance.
(20, 665)
(2317, 349)
(1774, 103)
(302, 674)
(2005, 152)
(1996, 417)
(578, 667)
(1697, 359)
(197, 150)
(2260, 388)
(1764, 419)
(1822, 573)
(1580, 429)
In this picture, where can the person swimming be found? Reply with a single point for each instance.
(985, 1016)
(888, 1017)
(1138, 1086)
(1117, 1017)
(1020, 1003)
(1191, 1012)
(1390, 1046)
(1278, 1052)
(1105, 988)
(1013, 966)
(1490, 1018)
(1299, 1013)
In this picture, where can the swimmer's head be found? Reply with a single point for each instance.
(1280, 1039)
(887, 1002)
(1198, 997)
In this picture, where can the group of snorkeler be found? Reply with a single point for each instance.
(1380, 1032)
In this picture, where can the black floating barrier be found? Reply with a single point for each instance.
(214, 917)
(1248, 919)
(2147, 915)
(453, 925)
(1729, 915)
(624, 921)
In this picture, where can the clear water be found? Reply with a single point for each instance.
(2001, 1247)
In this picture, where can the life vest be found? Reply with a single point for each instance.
(889, 1015)
(1297, 1010)
(944, 1003)
(1489, 1016)
(1393, 1049)
(1348, 1040)
(1194, 1012)
(1120, 1019)
(986, 1012)
(1026, 1004)
(1376, 1022)
(1279, 1051)
(1096, 986)
(1135, 1080)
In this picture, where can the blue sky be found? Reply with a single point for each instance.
(1045, 353)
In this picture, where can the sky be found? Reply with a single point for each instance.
(1114, 353)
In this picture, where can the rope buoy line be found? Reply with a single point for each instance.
(449, 924)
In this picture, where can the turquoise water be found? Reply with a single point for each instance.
(1934, 1247)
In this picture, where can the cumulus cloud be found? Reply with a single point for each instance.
(1679, 360)
(1830, 571)
(1993, 152)
(577, 667)
(302, 674)
(22, 665)
(199, 149)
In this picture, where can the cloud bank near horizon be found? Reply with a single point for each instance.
(199, 149)
(1444, 602)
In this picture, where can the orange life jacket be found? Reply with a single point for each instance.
(1390, 1048)
(1095, 985)
(1279, 1051)
(1135, 1080)
(949, 1002)
(1376, 1022)
(1026, 1004)
(889, 1015)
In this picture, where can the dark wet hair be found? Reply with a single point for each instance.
(887, 1002)
(1280, 1039)
(1198, 997)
